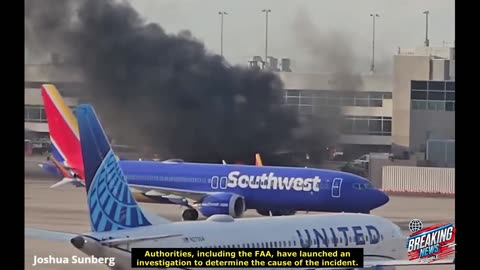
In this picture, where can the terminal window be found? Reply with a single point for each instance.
(35, 113)
(325, 98)
(367, 125)
(433, 95)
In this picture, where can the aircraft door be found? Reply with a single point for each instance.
(214, 182)
(336, 187)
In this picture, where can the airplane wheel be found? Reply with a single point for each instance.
(263, 212)
(275, 213)
(282, 213)
(190, 214)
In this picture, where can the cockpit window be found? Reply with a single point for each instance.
(362, 186)
(367, 185)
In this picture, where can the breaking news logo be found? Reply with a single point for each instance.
(432, 243)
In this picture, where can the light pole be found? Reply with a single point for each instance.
(266, 35)
(221, 30)
(372, 67)
(427, 42)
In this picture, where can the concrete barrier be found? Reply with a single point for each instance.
(418, 180)
(375, 168)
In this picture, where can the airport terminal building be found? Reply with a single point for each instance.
(366, 106)
(424, 107)
(410, 113)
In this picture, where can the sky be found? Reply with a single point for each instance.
(401, 24)
(314, 34)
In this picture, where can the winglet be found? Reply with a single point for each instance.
(110, 201)
(258, 160)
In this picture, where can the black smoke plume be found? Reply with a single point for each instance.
(328, 51)
(160, 90)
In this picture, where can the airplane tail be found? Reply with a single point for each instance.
(111, 204)
(64, 134)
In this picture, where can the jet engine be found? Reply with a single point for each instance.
(223, 203)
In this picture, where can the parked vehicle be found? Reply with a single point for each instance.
(364, 160)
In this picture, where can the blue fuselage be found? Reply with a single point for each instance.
(265, 187)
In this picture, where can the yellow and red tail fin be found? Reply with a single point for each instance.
(258, 160)
(63, 129)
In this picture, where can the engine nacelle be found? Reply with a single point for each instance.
(223, 203)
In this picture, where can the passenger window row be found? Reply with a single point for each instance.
(280, 244)
(273, 244)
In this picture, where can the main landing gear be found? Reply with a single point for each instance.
(190, 214)
(276, 213)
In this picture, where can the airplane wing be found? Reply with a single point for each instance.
(66, 237)
(49, 235)
(376, 263)
(162, 191)
(128, 240)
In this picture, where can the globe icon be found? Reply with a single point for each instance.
(415, 225)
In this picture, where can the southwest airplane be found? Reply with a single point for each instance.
(119, 224)
(215, 188)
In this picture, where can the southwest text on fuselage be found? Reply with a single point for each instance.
(270, 181)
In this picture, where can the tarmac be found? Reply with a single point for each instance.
(64, 209)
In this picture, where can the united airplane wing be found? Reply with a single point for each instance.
(65, 237)
(129, 240)
(49, 235)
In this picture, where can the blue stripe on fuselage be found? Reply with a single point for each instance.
(56, 154)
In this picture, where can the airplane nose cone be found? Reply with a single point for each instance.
(382, 198)
(78, 242)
